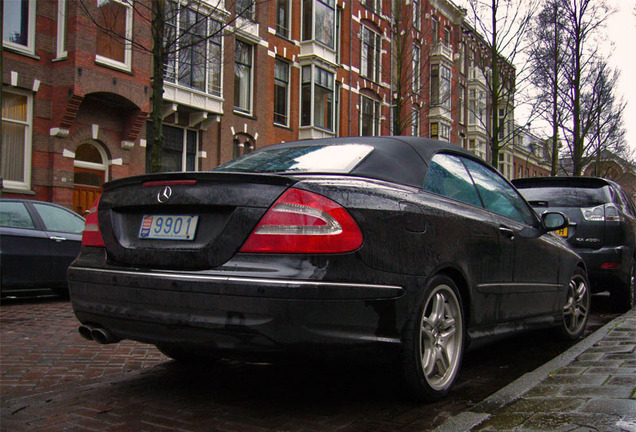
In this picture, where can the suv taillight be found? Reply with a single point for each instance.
(92, 236)
(605, 212)
(304, 222)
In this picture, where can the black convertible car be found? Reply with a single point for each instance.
(402, 248)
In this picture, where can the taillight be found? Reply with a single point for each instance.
(92, 236)
(605, 212)
(304, 222)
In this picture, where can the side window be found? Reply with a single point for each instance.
(15, 215)
(498, 196)
(59, 220)
(447, 176)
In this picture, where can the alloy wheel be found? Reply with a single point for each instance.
(576, 309)
(441, 334)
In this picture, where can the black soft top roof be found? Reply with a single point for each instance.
(394, 158)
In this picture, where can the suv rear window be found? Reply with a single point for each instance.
(567, 196)
(336, 159)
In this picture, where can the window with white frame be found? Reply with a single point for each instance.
(416, 69)
(179, 151)
(114, 19)
(476, 106)
(501, 123)
(373, 5)
(61, 29)
(415, 121)
(441, 86)
(369, 116)
(281, 92)
(319, 18)
(317, 102)
(18, 25)
(243, 76)
(17, 126)
(283, 16)
(441, 131)
(417, 15)
(371, 44)
(246, 9)
(197, 42)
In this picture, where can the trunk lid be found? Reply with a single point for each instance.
(224, 208)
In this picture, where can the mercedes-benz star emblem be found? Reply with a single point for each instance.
(164, 195)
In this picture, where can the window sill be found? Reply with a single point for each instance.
(282, 126)
(14, 190)
(110, 64)
(244, 114)
(21, 51)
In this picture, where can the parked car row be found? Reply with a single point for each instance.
(403, 249)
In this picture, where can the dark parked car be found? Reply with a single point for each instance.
(389, 247)
(602, 228)
(38, 241)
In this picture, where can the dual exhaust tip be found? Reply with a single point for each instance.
(97, 334)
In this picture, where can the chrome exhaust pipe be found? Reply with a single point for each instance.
(86, 332)
(102, 336)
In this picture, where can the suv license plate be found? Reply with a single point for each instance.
(563, 232)
(168, 227)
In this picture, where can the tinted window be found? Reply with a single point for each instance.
(15, 215)
(567, 196)
(447, 176)
(60, 220)
(338, 159)
(498, 196)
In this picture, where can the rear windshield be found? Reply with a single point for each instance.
(566, 196)
(336, 159)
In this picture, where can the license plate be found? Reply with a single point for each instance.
(168, 227)
(563, 232)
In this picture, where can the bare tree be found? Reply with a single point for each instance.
(172, 35)
(547, 56)
(583, 20)
(606, 131)
(503, 24)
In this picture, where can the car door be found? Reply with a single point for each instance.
(485, 258)
(533, 289)
(24, 248)
(63, 229)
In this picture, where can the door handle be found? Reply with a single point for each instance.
(58, 239)
(507, 232)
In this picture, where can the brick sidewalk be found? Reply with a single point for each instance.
(29, 362)
(591, 387)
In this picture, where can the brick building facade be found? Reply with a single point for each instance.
(76, 83)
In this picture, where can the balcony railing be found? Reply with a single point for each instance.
(443, 50)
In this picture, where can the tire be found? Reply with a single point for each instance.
(434, 341)
(576, 310)
(622, 299)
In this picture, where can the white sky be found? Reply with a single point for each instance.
(621, 30)
(621, 44)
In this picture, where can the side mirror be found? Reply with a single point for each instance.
(552, 221)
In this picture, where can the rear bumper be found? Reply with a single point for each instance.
(237, 314)
(607, 279)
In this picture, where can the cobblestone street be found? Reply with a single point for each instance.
(53, 380)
